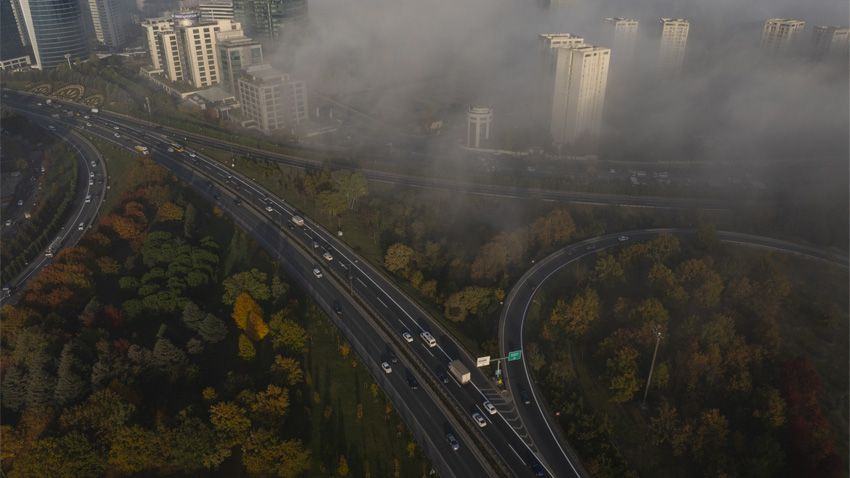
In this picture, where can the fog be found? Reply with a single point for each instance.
(406, 62)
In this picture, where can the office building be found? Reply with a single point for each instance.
(621, 35)
(270, 19)
(236, 52)
(780, 34)
(829, 41)
(53, 29)
(110, 21)
(271, 100)
(216, 10)
(185, 49)
(576, 78)
(672, 45)
(478, 123)
(14, 46)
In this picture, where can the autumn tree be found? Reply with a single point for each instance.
(622, 374)
(270, 405)
(554, 228)
(263, 452)
(246, 348)
(253, 283)
(169, 211)
(249, 317)
(470, 300)
(399, 259)
(289, 369)
(351, 185)
(287, 335)
(134, 449)
(576, 317)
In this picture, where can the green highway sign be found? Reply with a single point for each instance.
(514, 355)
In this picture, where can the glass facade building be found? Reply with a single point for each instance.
(55, 29)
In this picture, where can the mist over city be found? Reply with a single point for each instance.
(415, 238)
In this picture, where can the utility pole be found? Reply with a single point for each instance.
(657, 331)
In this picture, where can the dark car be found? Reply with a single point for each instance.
(237, 201)
(411, 381)
(524, 396)
(536, 467)
(337, 308)
(453, 442)
(392, 357)
(442, 376)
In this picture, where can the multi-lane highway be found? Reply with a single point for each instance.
(91, 186)
(535, 415)
(375, 314)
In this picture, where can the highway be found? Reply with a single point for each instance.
(537, 416)
(375, 313)
(424, 182)
(91, 183)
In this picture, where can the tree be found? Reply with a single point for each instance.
(470, 300)
(212, 329)
(607, 269)
(554, 228)
(134, 449)
(103, 414)
(170, 212)
(577, 316)
(622, 374)
(287, 334)
(230, 421)
(399, 259)
(68, 456)
(168, 357)
(246, 348)
(270, 405)
(186, 447)
(252, 282)
(70, 384)
(352, 185)
(189, 221)
(288, 368)
(342, 467)
(262, 452)
(332, 202)
(249, 316)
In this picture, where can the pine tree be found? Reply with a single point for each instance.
(70, 384)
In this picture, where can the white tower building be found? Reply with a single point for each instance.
(674, 40)
(478, 123)
(621, 35)
(779, 34)
(831, 41)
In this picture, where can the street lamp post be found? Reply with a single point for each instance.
(657, 331)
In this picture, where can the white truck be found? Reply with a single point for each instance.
(459, 371)
(95, 110)
(298, 221)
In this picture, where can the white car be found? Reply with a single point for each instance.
(386, 367)
(117, 135)
(317, 272)
(88, 198)
(192, 155)
(88, 124)
(20, 202)
(407, 337)
(115, 127)
(491, 409)
(479, 419)
(52, 128)
(93, 164)
(170, 150)
(429, 339)
(81, 226)
(327, 255)
(91, 182)
(91, 174)
(623, 238)
(269, 209)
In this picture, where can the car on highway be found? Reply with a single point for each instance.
(590, 247)
(88, 124)
(117, 135)
(170, 150)
(524, 396)
(91, 174)
(51, 128)
(298, 220)
(269, 209)
(20, 202)
(479, 419)
(88, 198)
(407, 337)
(91, 182)
(8, 222)
(386, 367)
(536, 467)
(327, 255)
(442, 376)
(428, 339)
(337, 308)
(412, 383)
(93, 164)
(623, 238)
(315, 244)
(317, 272)
(491, 409)
(453, 442)
(192, 155)
(391, 356)
(81, 226)
(115, 128)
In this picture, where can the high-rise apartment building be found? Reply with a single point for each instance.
(271, 100)
(110, 21)
(269, 19)
(236, 52)
(575, 78)
(53, 29)
(216, 10)
(185, 49)
(829, 41)
(621, 35)
(673, 42)
(779, 34)
(479, 120)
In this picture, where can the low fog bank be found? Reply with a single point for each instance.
(409, 62)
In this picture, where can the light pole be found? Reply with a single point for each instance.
(657, 331)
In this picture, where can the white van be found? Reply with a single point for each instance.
(428, 339)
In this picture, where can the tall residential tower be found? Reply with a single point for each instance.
(674, 40)
(779, 34)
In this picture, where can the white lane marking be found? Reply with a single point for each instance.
(427, 350)
(517, 455)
